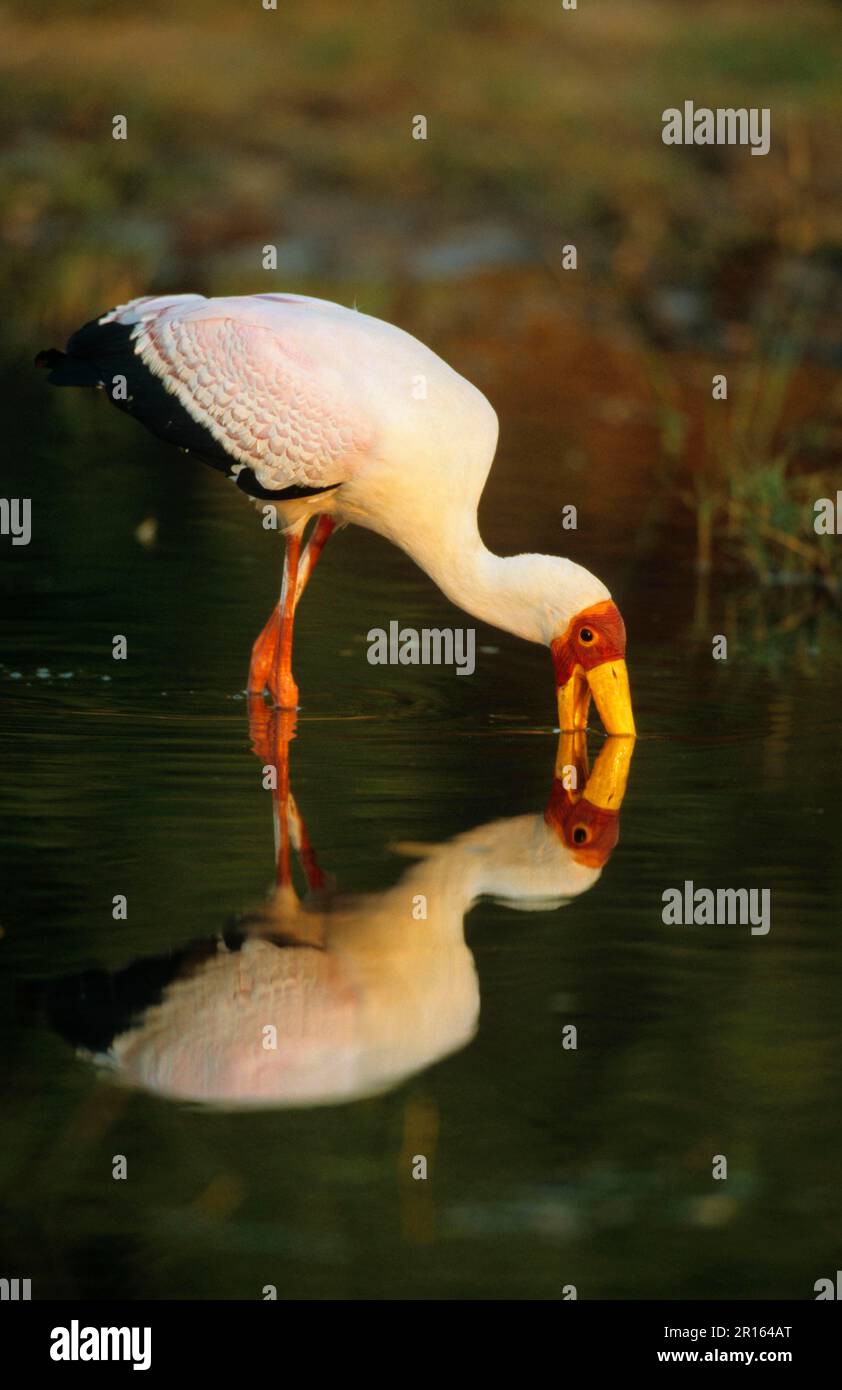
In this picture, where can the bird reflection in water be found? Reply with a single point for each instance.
(327, 998)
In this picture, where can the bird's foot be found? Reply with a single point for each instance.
(264, 655)
(283, 692)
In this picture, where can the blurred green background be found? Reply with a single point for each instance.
(293, 128)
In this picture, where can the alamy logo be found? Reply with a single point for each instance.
(75, 1343)
(828, 516)
(432, 646)
(724, 126)
(708, 907)
(13, 1290)
(825, 1289)
(16, 519)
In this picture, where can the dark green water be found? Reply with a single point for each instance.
(546, 1166)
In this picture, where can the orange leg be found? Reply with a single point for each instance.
(271, 656)
(322, 531)
(282, 687)
(263, 654)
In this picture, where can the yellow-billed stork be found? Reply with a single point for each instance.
(330, 414)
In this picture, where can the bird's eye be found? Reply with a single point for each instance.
(580, 835)
(585, 635)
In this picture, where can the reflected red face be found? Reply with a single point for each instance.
(589, 832)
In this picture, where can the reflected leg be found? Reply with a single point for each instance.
(272, 731)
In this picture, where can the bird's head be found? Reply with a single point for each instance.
(584, 805)
(589, 657)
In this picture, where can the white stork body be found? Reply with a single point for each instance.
(325, 411)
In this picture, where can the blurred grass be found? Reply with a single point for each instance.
(764, 454)
(293, 127)
(547, 116)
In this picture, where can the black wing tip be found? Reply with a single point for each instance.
(49, 357)
(66, 370)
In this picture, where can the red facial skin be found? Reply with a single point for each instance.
(588, 831)
(609, 644)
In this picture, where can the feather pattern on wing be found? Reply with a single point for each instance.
(275, 410)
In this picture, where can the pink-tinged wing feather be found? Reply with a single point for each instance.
(276, 410)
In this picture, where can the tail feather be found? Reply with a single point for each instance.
(66, 370)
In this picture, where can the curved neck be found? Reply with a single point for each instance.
(532, 596)
(497, 589)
